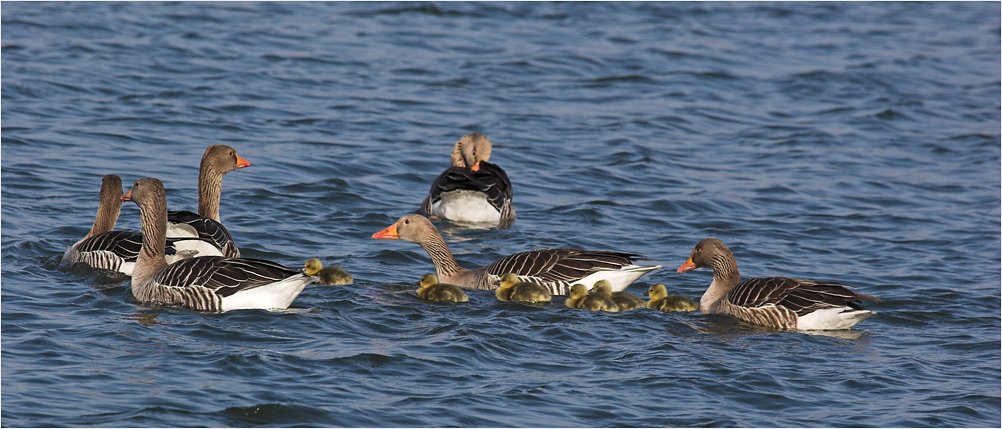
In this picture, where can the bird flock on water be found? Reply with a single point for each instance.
(189, 259)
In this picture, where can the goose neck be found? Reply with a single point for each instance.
(210, 185)
(725, 278)
(153, 219)
(107, 216)
(445, 263)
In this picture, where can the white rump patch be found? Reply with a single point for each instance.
(274, 295)
(620, 279)
(832, 318)
(190, 249)
(181, 230)
(465, 206)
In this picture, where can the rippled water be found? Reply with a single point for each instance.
(855, 142)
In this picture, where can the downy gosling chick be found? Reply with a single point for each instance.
(334, 275)
(577, 292)
(432, 290)
(515, 291)
(600, 299)
(624, 300)
(660, 300)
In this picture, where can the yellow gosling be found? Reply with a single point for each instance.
(600, 299)
(660, 300)
(624, 300)
(334, 275)
(432, 290)
(515, 291)
(577, 292)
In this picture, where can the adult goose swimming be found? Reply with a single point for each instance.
(117, 250)
(777, 302)
(204, 283)
(556, 268)
(217, 160)
(472, 189)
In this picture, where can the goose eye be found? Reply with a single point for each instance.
(407, 221)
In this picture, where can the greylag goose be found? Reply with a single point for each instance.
(204, 283)
(472, 189)
(574, 296)
(117, 250)
(334, 275)
(513, 290)
(555, 268)
(777, 302)
(624, 300)
(217, 160)
(660, 300)
(432, 290)
(600, 299)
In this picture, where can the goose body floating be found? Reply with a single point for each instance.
(432, 290)
(204, 283)
(556, 268)
(217, 160)
(118, 250)
(472, 189)
(777, 302)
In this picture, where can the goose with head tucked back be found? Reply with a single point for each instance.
(472, 189)
(776, 302)
(204, 283)
(555, 268)
(217, 160)
(117, 250)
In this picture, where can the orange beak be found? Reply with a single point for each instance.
(476, 167)
(390, 233)
(127, 196)
(241, 163)
(687, 266)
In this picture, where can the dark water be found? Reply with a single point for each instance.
(855, 142)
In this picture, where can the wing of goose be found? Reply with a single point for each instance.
(490, 179)
(206, 229)
(801, 296)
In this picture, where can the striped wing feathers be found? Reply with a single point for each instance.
(224, 276)
(207, 229)
(800, 296)
(124, 244)
(489, 179)
(559, 265)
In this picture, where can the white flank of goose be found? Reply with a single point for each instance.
(117, 250)
(217, 160)
(777, 302)
(205, 283)
(556, 269)
(472, 189)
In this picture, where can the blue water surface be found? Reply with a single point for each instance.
(856, 142)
